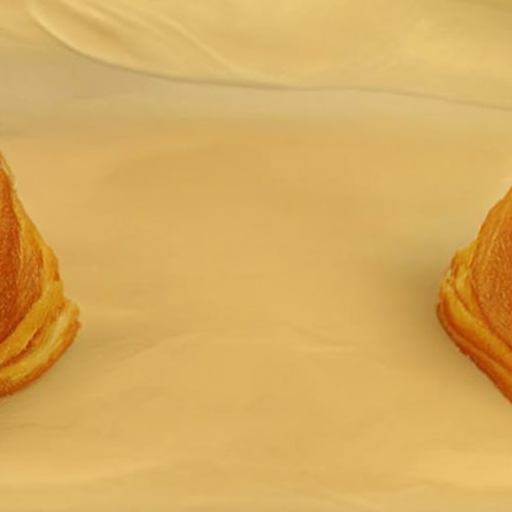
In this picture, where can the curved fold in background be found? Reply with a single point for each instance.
(456, 50)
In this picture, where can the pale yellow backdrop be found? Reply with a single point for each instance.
(253, 203)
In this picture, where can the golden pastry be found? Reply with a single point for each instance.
(475, 299)
(37, 322)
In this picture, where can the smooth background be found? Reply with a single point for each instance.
(253, 203)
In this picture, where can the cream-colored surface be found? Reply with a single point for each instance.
(257, 269)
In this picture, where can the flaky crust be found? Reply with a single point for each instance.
(37, 322)
(475, 297)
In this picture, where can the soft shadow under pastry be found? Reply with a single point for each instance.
(37, 322)
(475, 298)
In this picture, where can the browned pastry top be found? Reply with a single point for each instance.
(37, 322)
(20, 264)
(475, 299)
(491, 269)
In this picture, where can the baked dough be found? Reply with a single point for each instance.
(475, 299)
(37, 322)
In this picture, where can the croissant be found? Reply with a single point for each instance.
(37, 322)
(475, 297)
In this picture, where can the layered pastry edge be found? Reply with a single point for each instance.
(49, 324)
(460, 314)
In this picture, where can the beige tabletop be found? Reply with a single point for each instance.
(253, 204)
